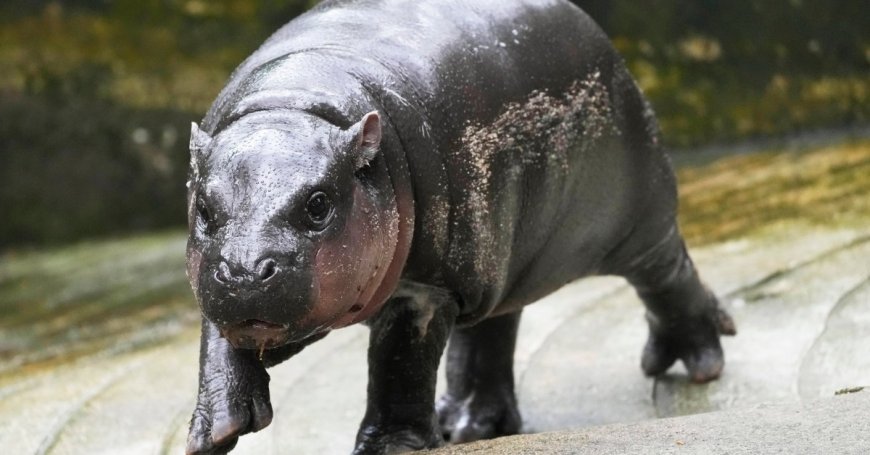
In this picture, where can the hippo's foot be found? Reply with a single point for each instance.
(376, 441)
(226, 411)
(695, 342)
(485, 414)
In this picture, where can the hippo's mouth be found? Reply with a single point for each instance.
(256, 334)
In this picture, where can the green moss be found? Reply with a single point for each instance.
(737, 195)
(66, 302)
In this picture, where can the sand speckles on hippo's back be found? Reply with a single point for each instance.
(546, 130)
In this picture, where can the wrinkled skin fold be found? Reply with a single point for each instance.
(427, 169)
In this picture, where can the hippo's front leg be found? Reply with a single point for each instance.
(407, 338)
(233, 396)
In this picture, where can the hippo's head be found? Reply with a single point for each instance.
(293, 225)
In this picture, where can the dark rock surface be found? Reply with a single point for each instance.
(832, 425)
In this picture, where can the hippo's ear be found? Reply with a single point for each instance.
(366, 139)
(199, 139)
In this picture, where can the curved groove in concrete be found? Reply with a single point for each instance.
(53, 436)
(172, 429)
(18, 387)
(337, 348)
(566, 321)
(853, 296)
(779, 273)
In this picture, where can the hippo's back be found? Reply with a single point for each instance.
(425, 52)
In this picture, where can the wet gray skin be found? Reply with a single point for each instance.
(428, 169)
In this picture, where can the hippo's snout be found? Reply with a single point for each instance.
(256, 334)
(259, 299)
(264, 271)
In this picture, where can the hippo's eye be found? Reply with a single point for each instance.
(204, 214)
(319, 209)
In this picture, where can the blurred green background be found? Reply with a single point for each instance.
(96, 96)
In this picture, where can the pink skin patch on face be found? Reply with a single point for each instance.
(351, 267)
(403, 210)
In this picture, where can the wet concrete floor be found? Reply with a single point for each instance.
(803, 314)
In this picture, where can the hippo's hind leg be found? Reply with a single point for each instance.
(684, 317)
(480, 402)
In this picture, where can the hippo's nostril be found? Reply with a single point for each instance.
(222, 274)
(266, 269)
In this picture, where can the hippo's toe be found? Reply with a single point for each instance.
(695, 342)
(483, 415)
